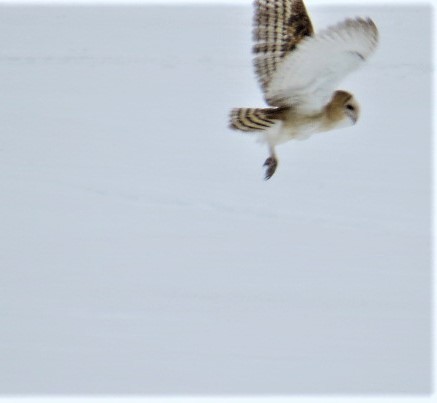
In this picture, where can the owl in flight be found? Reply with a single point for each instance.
(299, 71)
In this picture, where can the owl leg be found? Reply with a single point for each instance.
(271, 164)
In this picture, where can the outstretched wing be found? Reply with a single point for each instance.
(307, 77)
(279, 26)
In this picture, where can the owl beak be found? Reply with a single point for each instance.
(353, 117)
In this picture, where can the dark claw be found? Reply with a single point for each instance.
(271, 164)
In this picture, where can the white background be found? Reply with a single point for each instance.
(125, 193)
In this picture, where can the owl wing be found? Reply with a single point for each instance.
(307, 76)
(279, 26)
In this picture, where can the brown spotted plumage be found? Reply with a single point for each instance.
(279, 26)
(298, 72)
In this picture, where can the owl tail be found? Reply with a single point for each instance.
(252, 120)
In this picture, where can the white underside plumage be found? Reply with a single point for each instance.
(281, 132)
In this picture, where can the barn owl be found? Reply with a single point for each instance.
(299, 71)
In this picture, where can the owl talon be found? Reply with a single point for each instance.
(271, 163)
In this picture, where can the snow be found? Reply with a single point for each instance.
(142, 253)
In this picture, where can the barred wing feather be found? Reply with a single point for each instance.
(279, 26)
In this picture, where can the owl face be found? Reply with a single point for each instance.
(343, 110)
(351, 110)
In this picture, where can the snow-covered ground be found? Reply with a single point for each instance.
(141, 251)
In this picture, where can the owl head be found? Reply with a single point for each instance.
(343, 110)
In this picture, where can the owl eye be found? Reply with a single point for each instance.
(350, 107)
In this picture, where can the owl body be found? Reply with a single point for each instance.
(298, 72)
(301, 127)
(294, 127)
